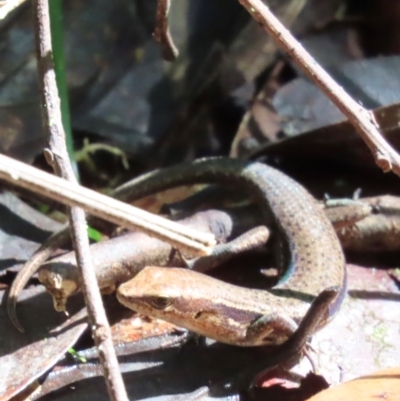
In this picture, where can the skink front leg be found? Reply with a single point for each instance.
(271, 329)
(243, 379)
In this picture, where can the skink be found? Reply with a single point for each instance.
(308, 247)
(218, 310)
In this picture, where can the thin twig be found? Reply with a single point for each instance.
(57, 157)
(362, 119)
(161, 31)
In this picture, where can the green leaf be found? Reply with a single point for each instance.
(94, 235)
(44, 208)
(76, 355)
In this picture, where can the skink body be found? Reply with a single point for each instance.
(207, 306)
(308, 249)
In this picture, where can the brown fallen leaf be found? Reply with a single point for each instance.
(381, 385)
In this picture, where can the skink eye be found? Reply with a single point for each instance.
(159, 302)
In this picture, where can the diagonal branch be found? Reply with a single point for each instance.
(112, 210)
(362, 119)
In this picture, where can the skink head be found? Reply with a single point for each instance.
(175, 295)
(60, 281)
(152, 291)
